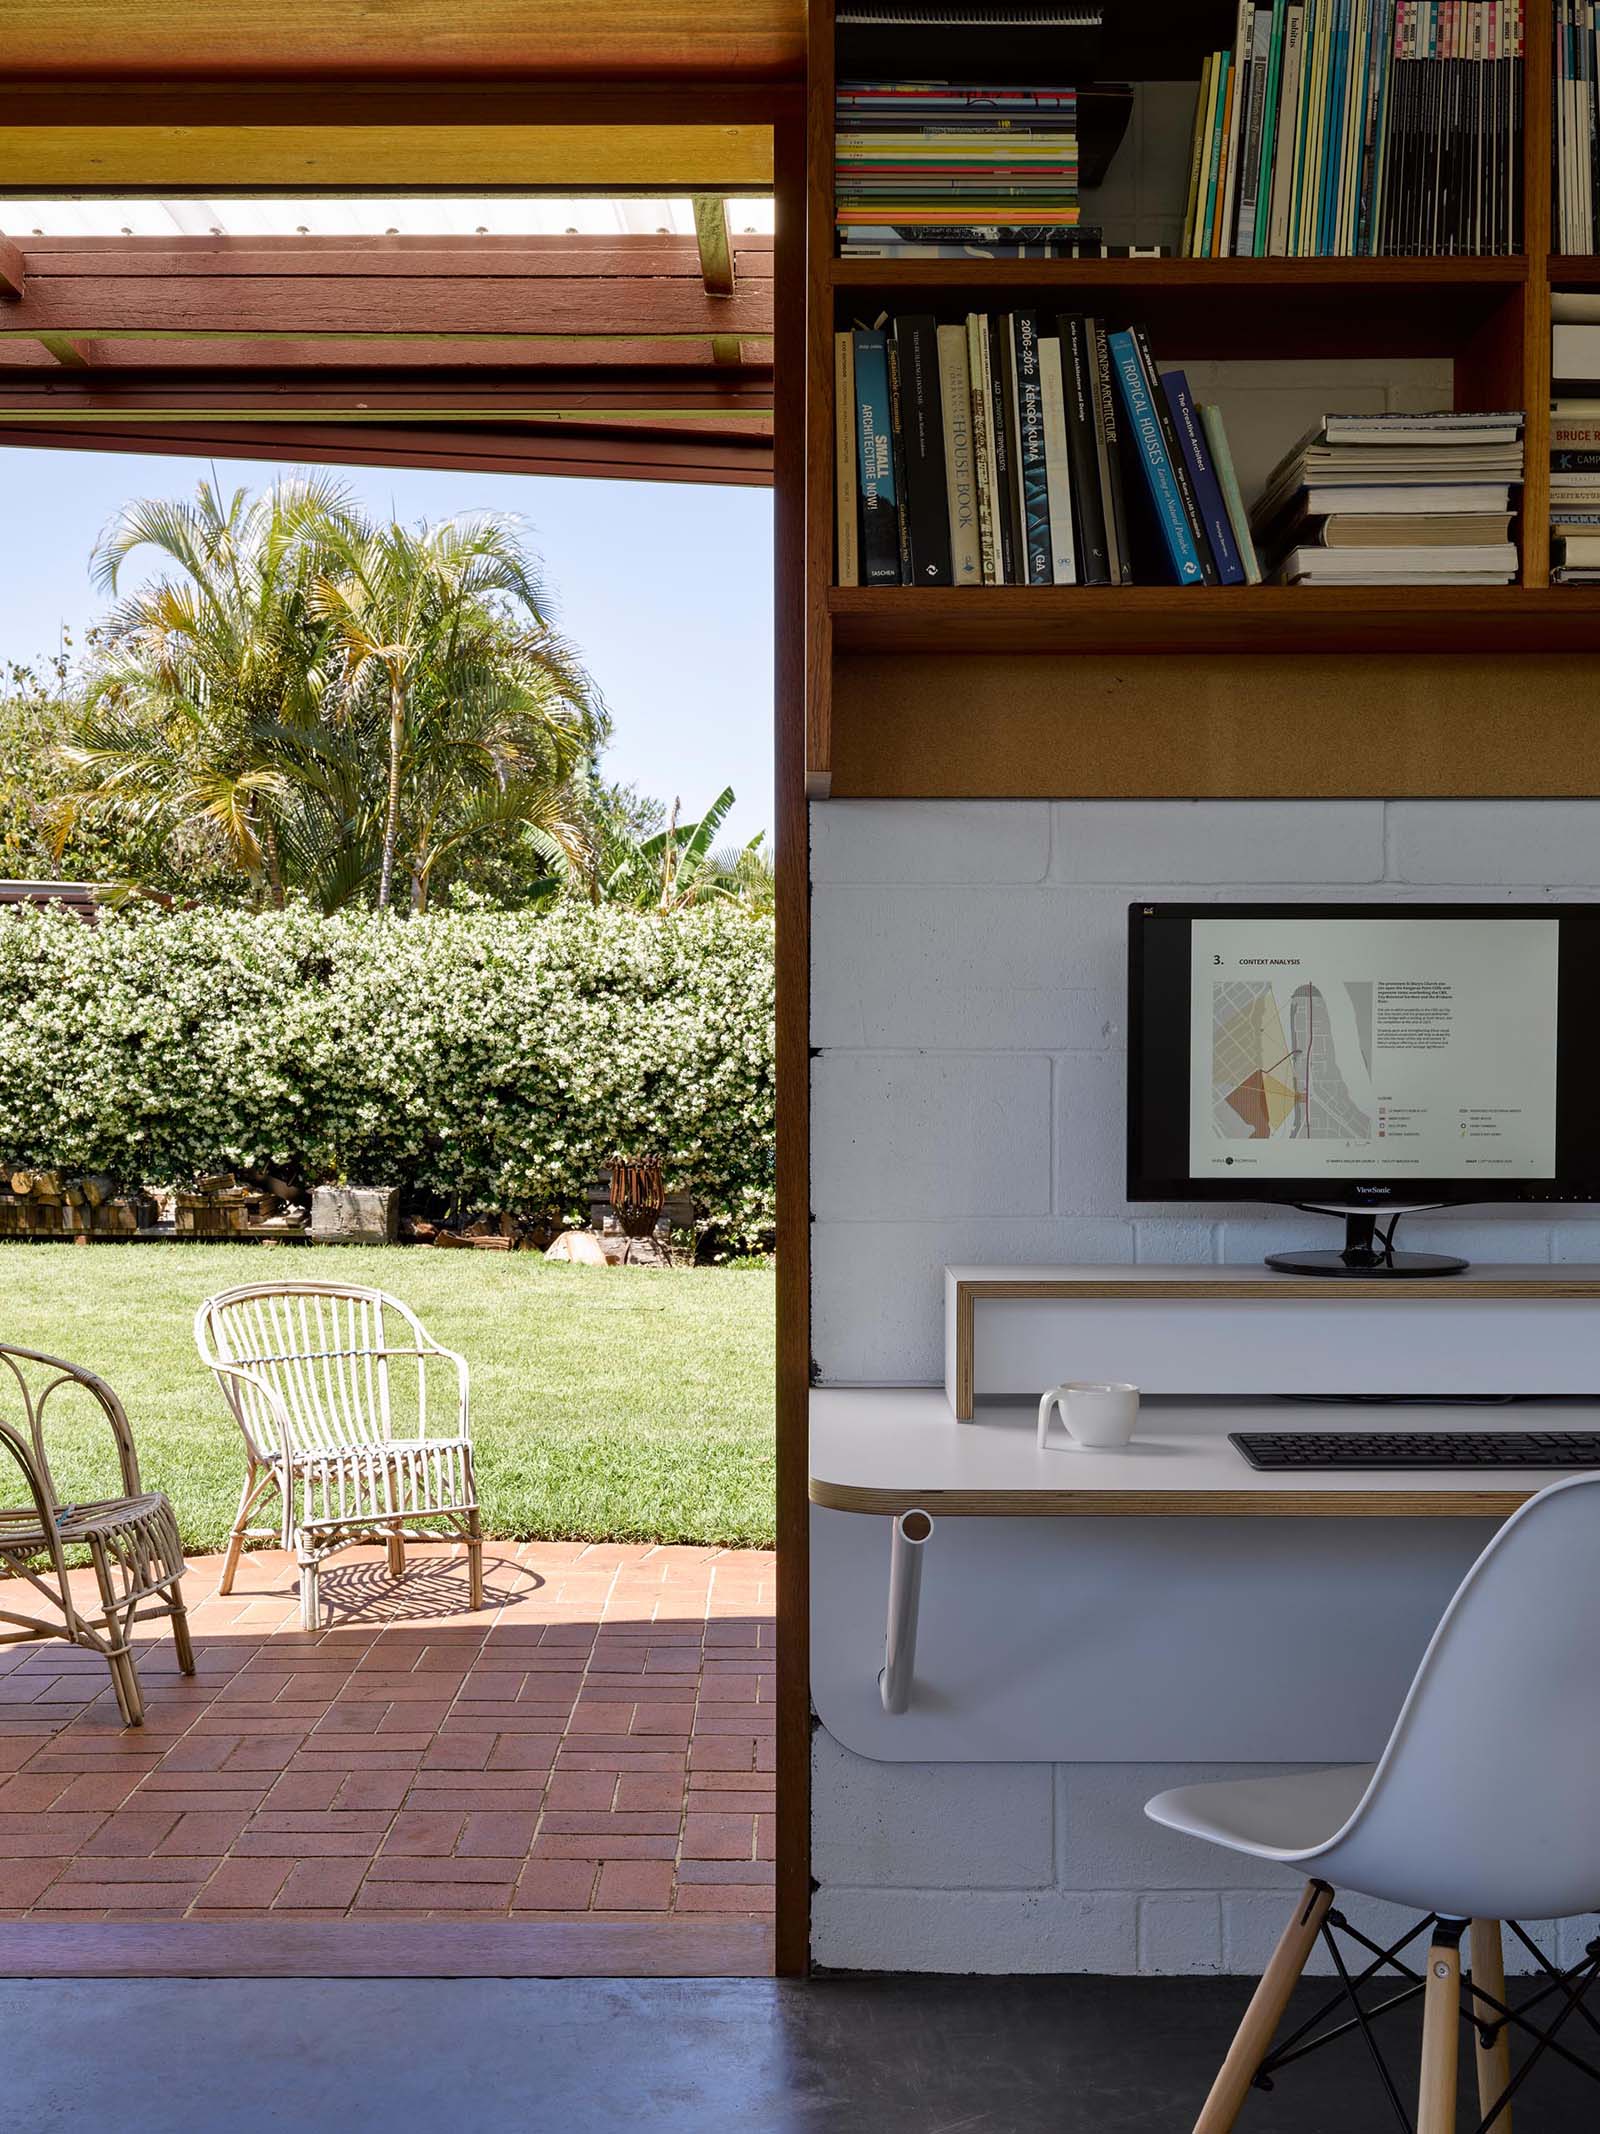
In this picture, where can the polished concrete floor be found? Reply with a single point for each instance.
(957, 2056)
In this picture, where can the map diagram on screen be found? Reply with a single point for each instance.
(1291, 1063)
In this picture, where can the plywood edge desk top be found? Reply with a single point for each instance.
(895, 1449)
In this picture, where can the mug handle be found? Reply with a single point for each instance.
(1051, 1400)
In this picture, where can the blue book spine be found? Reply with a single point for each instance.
(1203, 478)
(880, 517)
(1332, 135)
(1150, 447)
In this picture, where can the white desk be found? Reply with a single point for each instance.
(1165, 1603)
(889, 1450)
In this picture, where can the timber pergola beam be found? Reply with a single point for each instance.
(309, 303)
(613, 341)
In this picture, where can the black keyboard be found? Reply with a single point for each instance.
(1278, 1450)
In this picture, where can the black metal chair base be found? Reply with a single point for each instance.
(1488, 2016)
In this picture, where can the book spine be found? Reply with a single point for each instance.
(1202, 476)
(1221, 85)
(1175, 458)
(1057, 465)
(960, 471)
(1250, 171)
(1243, 55)
(880, 531)
(1283, 148)
(926, 506)
(1118, 533)
(898, 447)
(1036, 541)
(1094, 566)
(1197, 156)
(983, 446)
(1238, 518)
(1261, 219)
(1001, 434)
(847, 495)
(1150, 448)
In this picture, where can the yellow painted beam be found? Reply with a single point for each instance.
(379, 159)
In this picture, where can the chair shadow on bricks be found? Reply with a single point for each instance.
(594, 1743)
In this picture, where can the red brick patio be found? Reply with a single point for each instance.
(595, 1745)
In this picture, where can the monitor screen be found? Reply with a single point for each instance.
(1363, 1053)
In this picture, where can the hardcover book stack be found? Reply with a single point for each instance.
(1020, 448)
(1575, 147)
(1575, 439)
(1394, 500)
(919, 166)
(1340, 128)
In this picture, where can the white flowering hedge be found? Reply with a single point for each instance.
(496, 1060)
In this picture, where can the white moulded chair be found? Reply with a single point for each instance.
(307, 1370)
(1484, 1807)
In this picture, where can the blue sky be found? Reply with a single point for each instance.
(665, 587)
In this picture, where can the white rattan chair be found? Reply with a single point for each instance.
(307, 1371)
(132, 1540)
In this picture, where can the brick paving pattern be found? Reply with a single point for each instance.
(597, 1742)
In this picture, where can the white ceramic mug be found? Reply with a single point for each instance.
(1099, 1417)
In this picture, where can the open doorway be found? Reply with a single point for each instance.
(588, 1755)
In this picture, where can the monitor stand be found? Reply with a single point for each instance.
(1363, 1256)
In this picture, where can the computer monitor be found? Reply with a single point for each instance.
(1364, 1060)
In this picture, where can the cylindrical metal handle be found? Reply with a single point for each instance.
(909, 1537)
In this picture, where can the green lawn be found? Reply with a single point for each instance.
(607, 1404)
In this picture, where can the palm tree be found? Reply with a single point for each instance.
(307, 694)
(204, 693)
(447, 659)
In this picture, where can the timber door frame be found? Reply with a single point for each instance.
(97, 112)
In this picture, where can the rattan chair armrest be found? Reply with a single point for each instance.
(105, 1399)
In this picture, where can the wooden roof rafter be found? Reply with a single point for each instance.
(603, 333)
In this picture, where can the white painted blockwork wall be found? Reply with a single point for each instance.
(967, 1022)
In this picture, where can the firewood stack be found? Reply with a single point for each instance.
(44, 1204)
(226, 1205)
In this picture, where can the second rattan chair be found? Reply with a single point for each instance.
(343, 1438)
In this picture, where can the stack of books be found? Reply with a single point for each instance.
(1575, 438)
(935, 164)
(1340, 128)
(1394, 500)
(1020, 449)
(1575, 146)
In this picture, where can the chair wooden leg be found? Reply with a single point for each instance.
(310, 1599)
(230, 1562)
(1494, 2061)
(180, 1630)
(395, 1543)
(1441, 2031)
(1262, 2017)
(125, 1681)
(475, 1560)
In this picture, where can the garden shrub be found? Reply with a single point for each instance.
(487, 1060)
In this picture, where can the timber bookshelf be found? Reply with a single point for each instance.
(1070, 691)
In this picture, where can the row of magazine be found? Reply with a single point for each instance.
(1352, 128)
